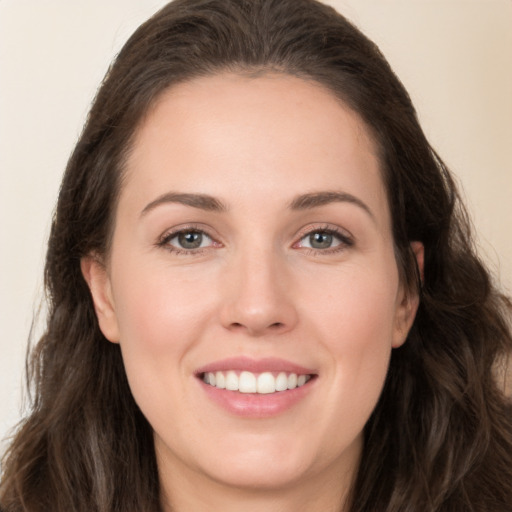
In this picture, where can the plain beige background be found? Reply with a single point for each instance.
(454, 56)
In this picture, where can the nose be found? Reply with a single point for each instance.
(258, 295)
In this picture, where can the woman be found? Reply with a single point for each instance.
(262, 288)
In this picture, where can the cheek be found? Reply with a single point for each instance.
(158, 308)
(356, 321)
(161, 316)
(358, 304)
(161, 319)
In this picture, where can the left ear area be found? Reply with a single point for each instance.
(98, 280)
(408, 301)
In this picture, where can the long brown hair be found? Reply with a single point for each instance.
(440, 438)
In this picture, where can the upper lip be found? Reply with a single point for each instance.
(268, 364)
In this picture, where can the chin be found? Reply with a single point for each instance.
(276, 464)
(260, 475)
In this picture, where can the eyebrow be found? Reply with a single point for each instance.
(303, 202)
(200, 201)
(316, 199)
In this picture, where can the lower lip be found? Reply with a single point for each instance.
(256, 405)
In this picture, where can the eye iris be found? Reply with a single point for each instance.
(320, 240)
(190, 239)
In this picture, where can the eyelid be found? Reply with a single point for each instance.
(345, 237)
(163, 240)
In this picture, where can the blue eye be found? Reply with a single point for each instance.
(321, 240)
(188, 240)
(325, 239)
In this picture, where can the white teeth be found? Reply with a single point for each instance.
(220, 380)
(232, 381)
(266, 383)
(282, 382)
(248, 382)
(292, 381)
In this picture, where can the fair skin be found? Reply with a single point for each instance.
(253, 222)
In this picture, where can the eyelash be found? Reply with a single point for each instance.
(345, 240)
(163, 242)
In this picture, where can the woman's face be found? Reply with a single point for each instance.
(253, 243)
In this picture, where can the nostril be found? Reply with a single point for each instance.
(276, 326)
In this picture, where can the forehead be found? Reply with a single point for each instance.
(273, 101)
(227, 133)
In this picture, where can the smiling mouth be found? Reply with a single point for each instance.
(259, 383)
